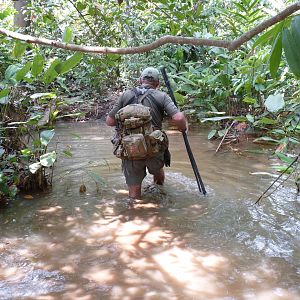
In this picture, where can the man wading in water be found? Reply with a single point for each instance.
(139, 141)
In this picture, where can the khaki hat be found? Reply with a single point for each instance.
(150, 72)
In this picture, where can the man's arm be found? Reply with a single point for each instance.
(110, 121)
(180, 121)
(177, 117)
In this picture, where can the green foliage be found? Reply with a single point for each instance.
(51, 73)
(69, 64)
(291, 44)
(275, 57)
(274, 103)
(46, 136)
(37, 65)
(252, 84)
(67, 35)
(19, 49)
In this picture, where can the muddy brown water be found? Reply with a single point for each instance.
(173, 244)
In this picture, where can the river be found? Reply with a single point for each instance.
(172, 244)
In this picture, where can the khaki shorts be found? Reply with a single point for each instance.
(135, 170)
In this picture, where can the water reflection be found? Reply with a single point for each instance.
(172, 244)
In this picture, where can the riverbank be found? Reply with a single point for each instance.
(89, 107)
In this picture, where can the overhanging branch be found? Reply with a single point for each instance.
(168, 39)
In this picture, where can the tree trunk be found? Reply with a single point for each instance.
(20, 17)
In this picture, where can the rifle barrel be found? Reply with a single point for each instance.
(185, 138)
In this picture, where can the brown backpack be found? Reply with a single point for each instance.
(135, 138)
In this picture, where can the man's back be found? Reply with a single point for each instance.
(158, 101)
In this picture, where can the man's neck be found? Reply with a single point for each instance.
(148, 86)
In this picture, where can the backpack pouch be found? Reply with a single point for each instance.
(135, 146)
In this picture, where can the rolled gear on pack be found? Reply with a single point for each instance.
(135, 137)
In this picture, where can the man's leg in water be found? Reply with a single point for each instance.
(159, 178)
(135, 172)
(135, 191)
(155, 166)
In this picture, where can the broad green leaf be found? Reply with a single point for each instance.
(295, 28)
(240, 7)
(75, 115)
(222, 132)
(274, 103)
(2, 151)
(10, 73)
(186, 80)
(22, 72)
(91, 10)
(199, 9)
(33, 168)
(269, 35)
(216, 119)
(211, 134)
(255, 2)
(33, 120)
(37, 65)
(267, 121)
(278, 131)
(54, 114)
(6, 12)
(4, 99)
(283, 168)
(26, 152)
(70, 63)
(240, 119)
(51, 73)
(291, 50)
(67, 35)
(250, 118)
(180, 99)
(4, 93)
(16, 123)
(48, 159)
(266, 139)
(249, 100)
(188, 89)
(215, 112)
(285, 158)
(275, 57)
(80, 6)
(293, 140)
(19, 49)
(46, 136)
(43, 95)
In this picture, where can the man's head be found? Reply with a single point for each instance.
(150, 76)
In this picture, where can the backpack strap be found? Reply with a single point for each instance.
(137, 99)
(148, 95)
(152, 98)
